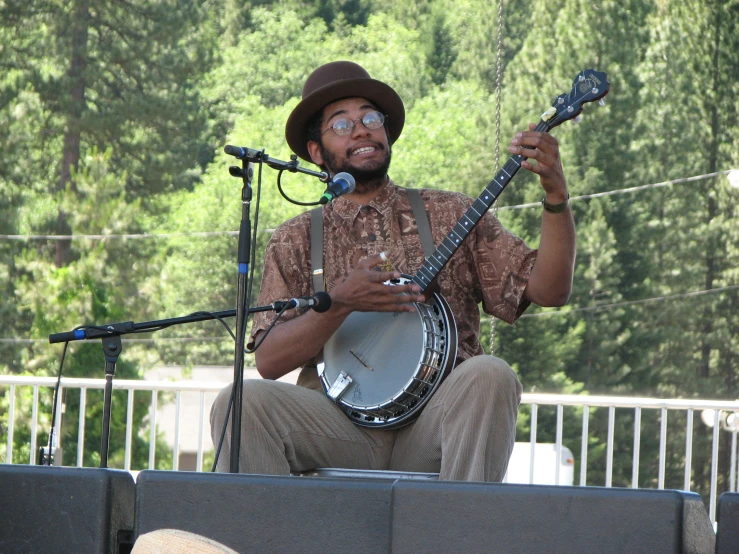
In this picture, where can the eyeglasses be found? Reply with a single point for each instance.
(344, 126)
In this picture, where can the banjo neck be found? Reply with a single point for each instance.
(588, 86)
(433, 264)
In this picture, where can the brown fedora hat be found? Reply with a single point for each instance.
(334, 81)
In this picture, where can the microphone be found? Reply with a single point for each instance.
(320, 302)
(241, 153)
(342, 183)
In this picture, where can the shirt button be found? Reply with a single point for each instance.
(372, 236)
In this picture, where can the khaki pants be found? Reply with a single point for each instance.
(465, 433)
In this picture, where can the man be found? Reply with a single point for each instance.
(348, 121)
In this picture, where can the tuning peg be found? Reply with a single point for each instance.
(602, 102)
(577, 119)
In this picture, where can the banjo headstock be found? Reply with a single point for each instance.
(588, 86)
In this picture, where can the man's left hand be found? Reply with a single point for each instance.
(544, 149)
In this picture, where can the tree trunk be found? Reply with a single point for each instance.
(705, 368)
(75, 110)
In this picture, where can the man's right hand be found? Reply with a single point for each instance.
(297, 341)
(364, 290)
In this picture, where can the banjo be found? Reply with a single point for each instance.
(381, 368)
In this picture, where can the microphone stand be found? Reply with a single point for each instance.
(112, 347)
(248, 155)
(242, 311)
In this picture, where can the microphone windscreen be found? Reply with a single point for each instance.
(324, 302)
(233, 150)
(348, 184)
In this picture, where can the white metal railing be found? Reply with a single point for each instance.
(10, 384)
(724, 416)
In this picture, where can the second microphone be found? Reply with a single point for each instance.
(341, 184)
(320, 302)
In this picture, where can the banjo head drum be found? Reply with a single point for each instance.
(382, 367)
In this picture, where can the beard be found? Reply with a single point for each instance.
(368, 178)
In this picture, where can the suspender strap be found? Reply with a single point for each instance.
(316, 249)
(316, 237)
(422, 221)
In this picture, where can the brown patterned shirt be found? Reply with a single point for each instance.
(492, 266)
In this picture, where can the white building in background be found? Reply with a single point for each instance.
(545, 465)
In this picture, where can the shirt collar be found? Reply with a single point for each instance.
(383, 203)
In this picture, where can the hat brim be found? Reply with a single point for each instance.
(377, 92)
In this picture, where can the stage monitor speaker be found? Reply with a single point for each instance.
(61, 509)
(728, 524)
(474, 517)
(261, 513)
(258, 513)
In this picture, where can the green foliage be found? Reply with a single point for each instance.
(440, 51)
(447, 122)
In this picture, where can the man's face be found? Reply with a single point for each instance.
(364, 153)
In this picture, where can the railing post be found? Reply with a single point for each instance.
(129, 431)
(714, 464)
(609, 456)
(58, 425)
(81, 428)
(201, 429)
(11, 426)
(534, 414)
(662, 448)
(34, 426)
(584, 446)
(637, 449)
(732, 472)
(176, 448)
(688, 451)
(153, 428)
(558, 444)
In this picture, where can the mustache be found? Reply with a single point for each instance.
(377, 145)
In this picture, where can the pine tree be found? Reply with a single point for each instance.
(102, 116)
(691, 130)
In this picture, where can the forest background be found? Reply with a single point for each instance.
(116, 202)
